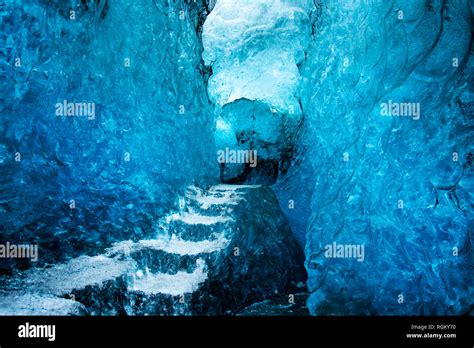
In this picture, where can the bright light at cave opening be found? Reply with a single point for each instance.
(254, 48)
(222, 125)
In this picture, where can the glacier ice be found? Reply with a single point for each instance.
(131, 201)
(246, 126)
(141, 66)
(254, 48)
(190, 267)
(399, 186)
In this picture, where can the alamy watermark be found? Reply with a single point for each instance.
(397, 109)
(73, 109)
(37, 331)
(334, 250)
(19, 251)
(237, 156)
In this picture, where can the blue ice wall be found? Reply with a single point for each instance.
(401, 187)
(152, 133)
(382, 160)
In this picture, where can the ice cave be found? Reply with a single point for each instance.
(237, 157)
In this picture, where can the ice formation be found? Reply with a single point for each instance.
(254, 49)
(189, 268)
(383, 158)
(401, 186)
(78, 184)
(360, 114)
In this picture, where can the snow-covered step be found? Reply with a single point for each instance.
(196, 227)
(166, 266)
(50, 291)
(206, 212)
(218, 196)
(180, 283)
(173, 245)
(63, 278)
(213, 198)
(194, 218)
(41, 290)
(26, 303)
(168, 254)
(234, 188)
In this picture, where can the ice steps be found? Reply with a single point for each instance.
(169, 265)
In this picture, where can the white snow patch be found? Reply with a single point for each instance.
(226, 197)
(173, 245)
(77, 274)
(36, 304)
(197, 219)
(227, 187)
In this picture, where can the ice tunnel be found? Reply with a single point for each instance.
(182, 157)
(254, 48)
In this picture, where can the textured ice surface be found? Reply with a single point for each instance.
(302, 83)
(140, 63)
(392, 184)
